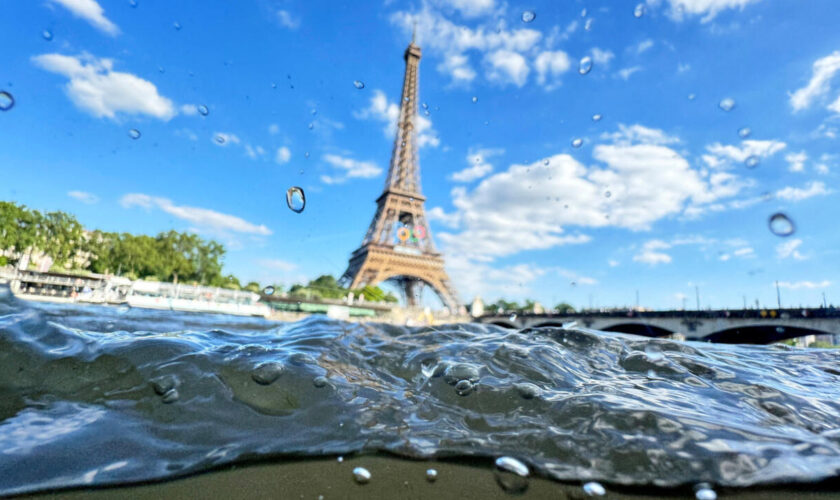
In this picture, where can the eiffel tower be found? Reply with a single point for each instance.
(398, 245)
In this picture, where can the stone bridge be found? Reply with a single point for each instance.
(748, 326)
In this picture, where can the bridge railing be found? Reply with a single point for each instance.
(763, 314)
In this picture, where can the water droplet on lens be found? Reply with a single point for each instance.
(546, 162)
(134, 133)
(203, 110)
(587, 26)
(780, 329)
(607, 194)
(306, 154)
(727, 104)
(296, 199)
(744, 132)
(6, 101)
(426, 112)
(132, 3)
(319, 382)
(594, 489)
(220, 139)
(269, 290)
(576, 143)
(781, 225)
(528, 16)
(267, 373)
(47, 35)
(704, 491)
(359, 84)
(585, 65)
(475, 99)
(340, 459)
(752, 161)
(639, 11)
(691, 97)
(583, 12)
(596, 117)
(431, 475)
(311, 125)
(176, 25)
(361, 475)
(511, 474)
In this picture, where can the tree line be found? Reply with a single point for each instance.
(503, 306)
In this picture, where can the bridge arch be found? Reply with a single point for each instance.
(558, 324)
(642, 329)
(760, 334)
(503, 324)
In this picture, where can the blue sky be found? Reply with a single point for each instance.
(658, 197)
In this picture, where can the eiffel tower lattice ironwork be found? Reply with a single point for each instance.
(398, 245)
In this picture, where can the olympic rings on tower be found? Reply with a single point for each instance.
(419, 232)
(403, 234)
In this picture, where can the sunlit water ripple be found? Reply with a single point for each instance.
(99, 395)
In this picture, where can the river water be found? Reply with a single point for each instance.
(104, 395)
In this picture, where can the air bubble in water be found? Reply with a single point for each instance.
(704, 491)
(528, 16)
(653, 353)
(359, 84)
(427, 368)
(594, 489)
(474, 99)
(47, 35)
(577, 142)
(267, 373)
(511, 474)
(134, 133)
(596, 117)
(527, 390)
(295, 199)
(744, 132)
(319, 382)
(464, 387)
(639, 11)
(585, 65)
(6, 101)
(361, 475)
(781, 225)
(752, 161)
(431, 475)
(269, 290)
(170, 397)
(203, 110)
(727, 104)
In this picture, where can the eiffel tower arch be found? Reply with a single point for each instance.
(398, 245)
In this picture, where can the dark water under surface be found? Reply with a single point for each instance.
(99, 395)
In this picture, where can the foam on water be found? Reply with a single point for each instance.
(96, 395)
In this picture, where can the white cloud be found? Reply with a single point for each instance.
(626, 73)
(388, 112)
(186, 133)
(814, 188)
(819, 86)
(283, 155)
(601, 57)
(458, 67)
(471, 8)
(91, 12)
(796, 161)
(822, 167)
(744, 252)
(273, 129)
(96, 88)
(722, 156)
(644, 46)
(349, 168)
(627, 135)
(475, 278)
(477, 165)
(254, 152)
(651, 253)
(287, 20)
(709, 9)
(789, 249)
(550, 65)
(804, 284)
(189, 109)
(201, 217)
(613, 263)
(277, 264)
(507, 66)
(437, 213)
(84, 197)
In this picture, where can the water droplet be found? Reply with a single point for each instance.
(583, 12)
(752, 161)
(319, 382)
(220, 138)
(161, 70)
(311, 125)
(596, 117)
(340, 459)
(727, 104)
(462, 371)
(134, 133)
(176, 25)
(744, 132)
(546, 162)
(426, 112)
(474, 99)
(132, 3)
(359, 84)
(528, 16)
(431, 475)
(306, 154)
(47, 35)
(6, 101)
(267, 373)
(587, 26)
(512, 317)
(780, 329)
(203, 110)
(577, 142)
(164, 384)
(639, 11)
(123, 309)
(170, 397)
(406, 99)
(704, 491)
(691, 97)
(425, 106)
(607, 194)
(296, 199)
(361, 475)
(594, 489)
(653, 353)
(573, 283)
(781, 225)
(527, 390)
(464, 387)
(511, 474)
(585, 65)
(427, 368)
(269, 290)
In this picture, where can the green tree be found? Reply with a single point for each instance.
(253, 286)
(564, 308)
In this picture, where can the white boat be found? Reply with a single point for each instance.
(168, 296)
